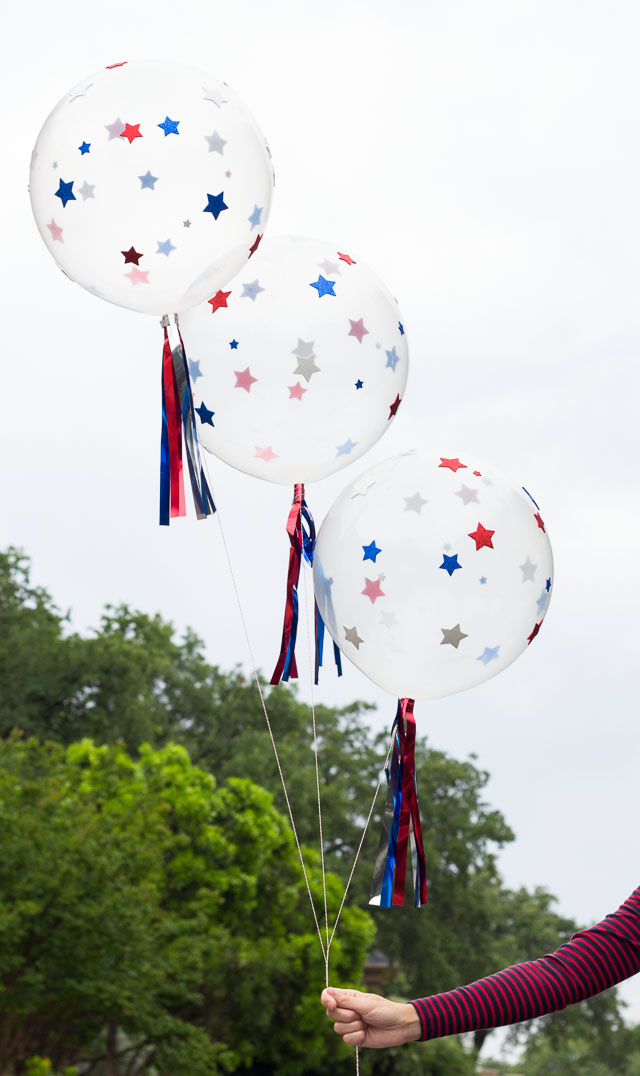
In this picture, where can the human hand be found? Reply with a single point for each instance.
(370, 1020)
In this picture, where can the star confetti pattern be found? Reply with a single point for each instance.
(371, 551)
(358, 329)
(296, 391)
(450, 564)
(165, 247)
(372, 590)
(147, 181)
(535, 631)
(351, 636)
(169, 126)
(393, 408)
(346, 258)
(452, 636)
(205, 414)
(131, 132)
(482, 537)
(267, 454)
(65, 193)
(138, 276)
(453, 465)
(219, 300)
(215, 205)
(56, 231)
(392, 359)
(490, 653)
(131, 255)
(323, 286)
(244, 379)
(85, 147)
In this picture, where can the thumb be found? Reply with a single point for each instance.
(348, 999)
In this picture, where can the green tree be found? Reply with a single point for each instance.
(151, 921)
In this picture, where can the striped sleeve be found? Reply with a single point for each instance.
(591, 961)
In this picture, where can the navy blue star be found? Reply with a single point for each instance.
(194, 369)
(359, 383)
(147, 180)
(324, 287)
(169, 126)
(548, 584)
(205, 414)
(401, 327)
(371, 551)
(84, 148)
(233, 344)
(215, 204)
(450, 563)
(65, 192)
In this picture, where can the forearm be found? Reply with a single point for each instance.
(592, 961)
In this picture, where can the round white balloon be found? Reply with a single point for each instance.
(433, 573)
(150, 184)
(299, 365)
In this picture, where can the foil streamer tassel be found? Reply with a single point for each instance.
(319, 639)
(178, 419)
(302, 540)
(401, 829)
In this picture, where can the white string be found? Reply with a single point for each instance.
(325, 950)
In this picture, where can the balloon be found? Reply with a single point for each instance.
(433, 573)
(302, 360)
(151, 184)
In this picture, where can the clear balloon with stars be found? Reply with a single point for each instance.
(151, 185)
(299, 365)
(433, 573)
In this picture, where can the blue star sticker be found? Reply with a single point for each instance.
(324, 287)
(483, 578)
(345, 449)
(250, 291)
(194, 369)
(371, 551)
(147, 180)
(84, 148)
(547, 585)
(169, 126)
(450, 563)
(65, 192)
(205, 414)
(401, 328)
(392, 358)
(233, 344)
(490, 653)
(254, 219)
(215, 204)
(165, 248)
(359, 383)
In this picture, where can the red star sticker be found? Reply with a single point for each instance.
(394, 406)
(372, 589)
(219, 299)
(346, 258)
(131, 255)
(112, 66)
(538, 519)
(254, 246)
(131, 131)
(478, 474)
(535, 631)
(453, 465)
(482, 537)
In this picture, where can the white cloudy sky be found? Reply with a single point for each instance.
(483, 159)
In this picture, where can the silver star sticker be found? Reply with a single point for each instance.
(86, 190)
(211, 94)
(452, 636)
(329, 268)
(388, 619)
(216, 143)
(351, 635)
(186, 224)
(447, 546)
(415, 503)
(80, 92)
(303, 349)
(528, 570)
(361, 491)
(115, 129)
(467, 495)
(251, 290)
(307, 367)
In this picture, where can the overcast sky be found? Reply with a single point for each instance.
(483, 159)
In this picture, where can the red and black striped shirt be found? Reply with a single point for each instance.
(591, 961)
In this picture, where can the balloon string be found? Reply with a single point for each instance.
(256, 676)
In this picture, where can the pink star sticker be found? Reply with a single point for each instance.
(357, 329)
(267, 454)
(372, 589)
(453, 465)
(138, 276)
(295, 391)
(244, 379)
(56, 231)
